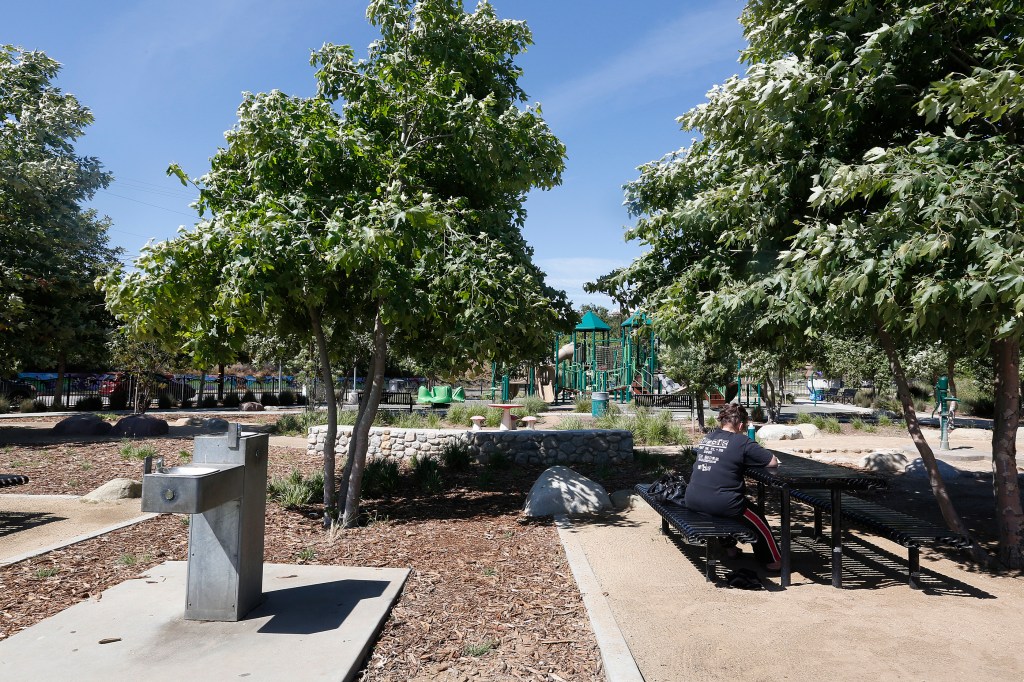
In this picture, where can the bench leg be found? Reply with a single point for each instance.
(817, 524)
(915, 567)
(837, 538)
(787, 534)
(760, 498)
(709, 555)
(664, 525)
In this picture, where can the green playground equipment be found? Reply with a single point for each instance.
(440, 395)
(945, 405)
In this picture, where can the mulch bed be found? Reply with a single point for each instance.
(491, 596)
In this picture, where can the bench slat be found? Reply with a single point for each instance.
(697, 527)
(12, 479)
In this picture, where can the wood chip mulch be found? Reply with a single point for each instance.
(490, 597)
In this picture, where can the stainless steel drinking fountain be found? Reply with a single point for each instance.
(225, 491)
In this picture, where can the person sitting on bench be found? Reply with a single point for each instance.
(716, 485)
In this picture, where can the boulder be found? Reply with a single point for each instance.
(117, 489)
(215, 425)
(560, 490)
(251, 407)
(623, 499)
(189, 421)
(140, 426)
(82, 425)
(885, 461)
(809, 430)
(916, 469)
(779, 432)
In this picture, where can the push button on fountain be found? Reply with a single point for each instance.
(168, 494)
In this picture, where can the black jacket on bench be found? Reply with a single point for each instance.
(716, 485)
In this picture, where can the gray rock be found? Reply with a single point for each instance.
(251, 407)
(140, 426)
(117, 489)
(215, 425)
(886, 461)
(623, 499)
(560, 490)
(82, 425)
(809, 430)
(916, 469)
(779, 432)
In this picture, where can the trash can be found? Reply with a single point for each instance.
(598, 403)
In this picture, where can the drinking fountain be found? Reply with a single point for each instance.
(225, 491)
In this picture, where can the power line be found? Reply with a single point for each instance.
(146, 203)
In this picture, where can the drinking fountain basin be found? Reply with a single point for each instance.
(191, 489)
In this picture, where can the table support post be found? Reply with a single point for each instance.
(786, 537)
(837, 537)
(760, 497)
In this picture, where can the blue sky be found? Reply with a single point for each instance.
(164, 80)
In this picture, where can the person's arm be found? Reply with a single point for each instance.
(756, 455)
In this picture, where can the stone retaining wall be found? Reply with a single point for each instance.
(526, 446)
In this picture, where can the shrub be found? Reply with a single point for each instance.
(922, 405)
(499, 460)
(232, 400)
(185, 402)
(300, 399)
(981, 406)
(296, 490)
(582, 405)
(455, 455)
(757, 414)
(426, 474)
(492, 417)
(458, 415)
(209, 401)
(864, 397)
(285, 398)
(532, 406)
(299, 424)
(803, 418)
(129, 450)
(888, 404)
(380, 477)
(830, 425)
(711, 423)
(29, 405)
(248, 397)
(268, 399)
(92, 403)
(857, 424)
(649, 460)
(164, 402)
(572, 423)
(5, 405)
(118, 400)
(884, 420)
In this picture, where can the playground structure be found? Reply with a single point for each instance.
(590, 359)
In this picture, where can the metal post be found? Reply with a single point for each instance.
(786, 537)
(837, 537)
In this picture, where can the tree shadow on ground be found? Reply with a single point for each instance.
(12, 522)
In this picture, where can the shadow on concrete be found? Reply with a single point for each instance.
(309, 609)
(12, 522)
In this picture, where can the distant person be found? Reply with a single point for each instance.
(716, 485)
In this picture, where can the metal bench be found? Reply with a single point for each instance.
(901, 528)
(7, 480)
(830, 395)
(847, 395)
(697, 528)
(394, 400)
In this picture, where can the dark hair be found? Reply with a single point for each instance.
(733, 414)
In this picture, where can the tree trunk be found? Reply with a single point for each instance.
(330, 504)
(770, 400)
(950, 367)
(220, 382)
(202, 389)
(698, 397)
(1009, 516)
(58, 389)
(938, 486)
(360, 434)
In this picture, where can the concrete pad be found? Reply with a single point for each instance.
(316, 623)
(33, 524)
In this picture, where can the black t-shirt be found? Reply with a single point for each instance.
(716, 485)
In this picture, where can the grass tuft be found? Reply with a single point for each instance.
(296, 490)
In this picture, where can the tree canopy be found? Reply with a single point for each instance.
(52, 248)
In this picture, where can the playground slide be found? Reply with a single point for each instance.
(669, 386)
(566, 352)
(547, 393)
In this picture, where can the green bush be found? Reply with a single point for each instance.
(582, 405)
(164, 402)
(296, 490)
(285, 398)
(129, 450)
(830, 425)
(803, 418)
(118, 400)
(299, 424)
(92, 403)
(884, 420)
(981, 406)
(380, 477)
(232, 400)
(711, 423)
(857, 424)
(209, 401)
(185, 402)
(532, 406)
(649, 460)
(492, 417)
(888, 404)
(426, 474)
(864, 397)
(300, 399)
(458, 415)
(268, 399)
(455, 455)
(5, 405)
(757, 415)
(499, 460)
(248, 397)
(30, 405)
(572, 423)
(922, 405)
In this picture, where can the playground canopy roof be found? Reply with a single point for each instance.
(592, 323)
(637, 320)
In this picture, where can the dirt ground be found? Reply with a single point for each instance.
(491, 598)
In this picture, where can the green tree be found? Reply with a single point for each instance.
(52, 247)
(861, 175)
(701, 367)
(394, 216)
